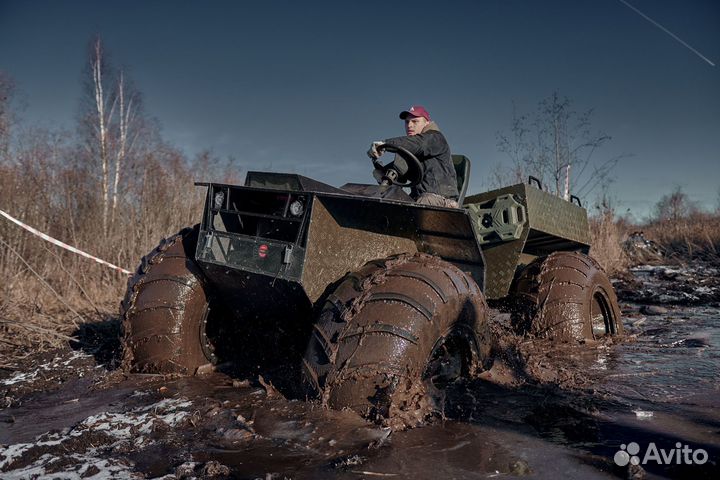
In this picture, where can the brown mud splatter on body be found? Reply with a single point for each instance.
(381, 329)
(566, 297)
(163, 308)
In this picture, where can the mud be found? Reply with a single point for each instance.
(542, 411)
(672, 285)
(566, 297)
(370, 347)
(164, 307)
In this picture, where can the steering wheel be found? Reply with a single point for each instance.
(405, 171)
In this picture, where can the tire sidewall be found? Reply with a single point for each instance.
(599, 284)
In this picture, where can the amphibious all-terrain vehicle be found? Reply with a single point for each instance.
(383, 295)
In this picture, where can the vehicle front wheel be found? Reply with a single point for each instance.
(166, 312)
(392, 332)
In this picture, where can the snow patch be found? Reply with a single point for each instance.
(129, 429)
(105, 469)
(57, 363)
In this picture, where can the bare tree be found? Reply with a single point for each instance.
(129, 120)
(110, 124)
(7, 87)
(97, 119)
(557, 145)
(675, 207)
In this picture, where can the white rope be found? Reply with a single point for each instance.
(63, 245)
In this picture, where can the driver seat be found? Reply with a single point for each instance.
(462, 171)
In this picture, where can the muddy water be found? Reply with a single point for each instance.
(206, 426)
(69, 419)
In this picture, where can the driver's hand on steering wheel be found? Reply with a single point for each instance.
(374, 152)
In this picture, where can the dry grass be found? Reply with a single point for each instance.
(695, 237)
(607, 236)
(47, 292)
(691, 238)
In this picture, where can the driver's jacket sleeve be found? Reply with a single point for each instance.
(431, 148)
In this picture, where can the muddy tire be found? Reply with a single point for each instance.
(393, 330)
(165, 310)
(565, 296)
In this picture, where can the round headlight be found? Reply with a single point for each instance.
(219, 199)
(296, 208)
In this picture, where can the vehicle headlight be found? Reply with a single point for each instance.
(296, 208)
(219, 199)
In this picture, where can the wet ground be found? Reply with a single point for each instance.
(541, 412)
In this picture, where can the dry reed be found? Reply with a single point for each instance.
(607, 236)
(46, 292)
(694, 237)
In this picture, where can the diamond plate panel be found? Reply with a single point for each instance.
(554, 216)
(547, 214)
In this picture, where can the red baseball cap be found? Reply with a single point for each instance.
(415, 111)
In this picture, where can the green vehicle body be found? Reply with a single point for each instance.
(251, 237)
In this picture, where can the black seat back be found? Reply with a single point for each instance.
(462, 170)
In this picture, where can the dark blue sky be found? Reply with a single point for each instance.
(306, 86)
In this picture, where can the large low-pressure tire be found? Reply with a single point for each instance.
(393, 330)
(565, 296)
(165, 310)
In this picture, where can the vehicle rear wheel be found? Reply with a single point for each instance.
(391, 332)
(565, 296)
(166, 312)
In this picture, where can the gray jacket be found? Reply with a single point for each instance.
(431, 148)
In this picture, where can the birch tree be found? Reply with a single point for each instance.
(128, 100)
(99, 120)
(111, 124)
